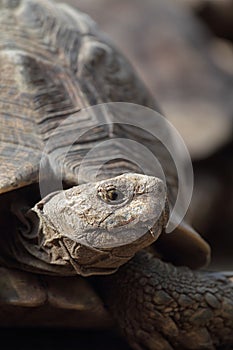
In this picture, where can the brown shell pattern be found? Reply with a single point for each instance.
(54, 62)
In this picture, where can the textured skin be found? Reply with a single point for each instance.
(78, 231)
(54, 62)
(159, 306)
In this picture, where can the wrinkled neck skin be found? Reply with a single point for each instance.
(92, 228)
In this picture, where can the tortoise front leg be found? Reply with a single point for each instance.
(161, 307)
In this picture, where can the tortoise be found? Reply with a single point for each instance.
(96, 251)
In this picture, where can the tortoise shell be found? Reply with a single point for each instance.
(54, 64)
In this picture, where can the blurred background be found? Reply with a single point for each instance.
(186, 66)
(183, 51)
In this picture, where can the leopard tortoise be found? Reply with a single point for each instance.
(55, 250)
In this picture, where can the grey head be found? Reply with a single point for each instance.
(96, 227)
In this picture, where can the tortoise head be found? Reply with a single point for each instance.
(96, 227)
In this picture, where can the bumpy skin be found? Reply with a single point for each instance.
(86, 231)
(54, 63)
(162, 307)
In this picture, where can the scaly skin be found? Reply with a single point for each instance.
(162, 307)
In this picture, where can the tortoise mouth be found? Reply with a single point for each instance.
(88, 260)
(125, 235)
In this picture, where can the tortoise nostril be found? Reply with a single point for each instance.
(140, 189)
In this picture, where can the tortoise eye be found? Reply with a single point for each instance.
(110, 195)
